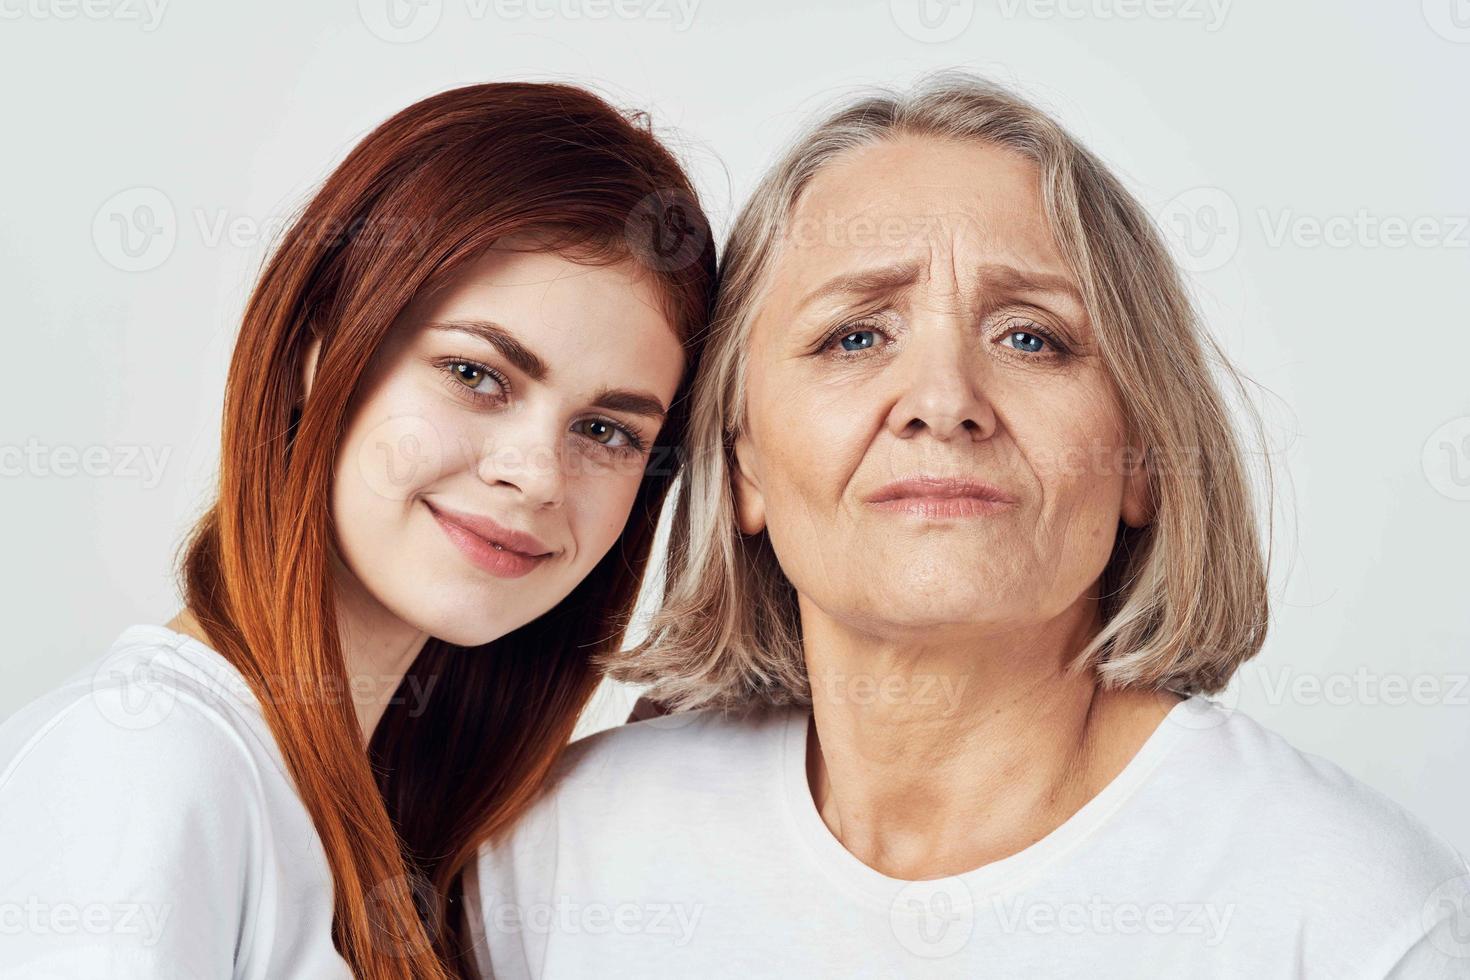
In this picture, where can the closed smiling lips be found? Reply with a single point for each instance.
(936, 496)
(490, 545)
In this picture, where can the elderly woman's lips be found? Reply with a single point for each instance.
(940, 497)
(938, 486)
(943, 506)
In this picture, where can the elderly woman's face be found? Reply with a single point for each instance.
(922, 326)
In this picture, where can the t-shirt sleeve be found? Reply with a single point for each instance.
(126, 843)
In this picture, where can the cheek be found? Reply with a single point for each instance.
(1080, 463)
(399, 441)
(808, 448)
(601, 503)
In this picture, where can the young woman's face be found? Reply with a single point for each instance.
(494, 451)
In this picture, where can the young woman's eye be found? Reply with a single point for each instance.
(610, 435)
(474, 379)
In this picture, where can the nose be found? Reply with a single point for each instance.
(940, 372)
(526, 456)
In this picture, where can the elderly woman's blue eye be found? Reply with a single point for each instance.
(1032, 344)
(859, 340)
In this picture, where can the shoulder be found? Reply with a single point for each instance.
(148, 728)
(687, 753)
(134, 787)
(641, 775)
(663, 792)
(1326, 835)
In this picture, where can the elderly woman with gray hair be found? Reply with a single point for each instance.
(965, 538)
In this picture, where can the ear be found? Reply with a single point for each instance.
(1138, 502)
(750, 503)
(308, 366)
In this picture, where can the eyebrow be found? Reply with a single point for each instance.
(1010, 278)
(887, 278)
(633, 402)
(529, 363)
(501, 339)
(881, 279)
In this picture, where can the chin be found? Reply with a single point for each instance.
(924, 604)
(468, 623)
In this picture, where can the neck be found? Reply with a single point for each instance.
(937, 751)
(377, 649)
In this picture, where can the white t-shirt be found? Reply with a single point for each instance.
(149, 828)
(689, 846)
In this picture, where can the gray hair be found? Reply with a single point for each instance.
(1184, 599)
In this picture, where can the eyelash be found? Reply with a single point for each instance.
(843, 330)
(635, 445)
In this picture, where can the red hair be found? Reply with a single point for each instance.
(429, 190)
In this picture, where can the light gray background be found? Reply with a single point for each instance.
(1309, 158)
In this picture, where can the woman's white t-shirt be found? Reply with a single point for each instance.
(149, 828)
(690, 846)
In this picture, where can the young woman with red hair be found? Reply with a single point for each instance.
(449, 426)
